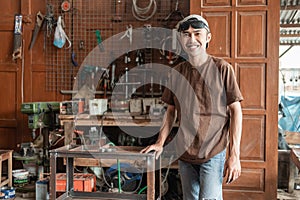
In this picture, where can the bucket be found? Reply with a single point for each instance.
(41, 190)
(7, 192)
(20, 177)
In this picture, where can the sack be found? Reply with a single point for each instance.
(60, 36)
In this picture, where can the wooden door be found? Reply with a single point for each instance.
(21, 80)
(246, 34)
(10, 76)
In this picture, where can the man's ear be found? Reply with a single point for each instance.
(208, 38)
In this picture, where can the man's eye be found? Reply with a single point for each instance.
(186, 35)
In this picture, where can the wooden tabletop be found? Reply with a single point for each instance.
(113, 120)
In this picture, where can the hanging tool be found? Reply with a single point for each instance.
(38, 25)
(74, 62)
(174, 12)
(126, 81)
(127, 58)
(128, 33)
(176, 15)
(50, 21)
(17, 52)
(113, 70)
(99, 40)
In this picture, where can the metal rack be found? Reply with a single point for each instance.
(128, 153)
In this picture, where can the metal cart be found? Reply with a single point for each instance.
(70, 152)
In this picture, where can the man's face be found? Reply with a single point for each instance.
(194, 40)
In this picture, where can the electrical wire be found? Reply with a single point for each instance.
(22, 74)
(169, 166)
(141, 190)
(139, 13)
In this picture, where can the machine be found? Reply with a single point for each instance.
(42, 116)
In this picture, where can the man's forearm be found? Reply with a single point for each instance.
(235, 128)
(167, 124)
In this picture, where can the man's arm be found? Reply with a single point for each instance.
(164, 132)
(233, 164)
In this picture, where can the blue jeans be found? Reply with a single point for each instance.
(203, 181)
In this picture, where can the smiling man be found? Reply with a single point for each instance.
(204, 92)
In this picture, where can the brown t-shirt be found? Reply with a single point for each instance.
(201, 96)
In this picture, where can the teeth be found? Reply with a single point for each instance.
(192, 46)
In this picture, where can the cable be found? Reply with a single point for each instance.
(169, 166)
(139, 13)
(141, 190)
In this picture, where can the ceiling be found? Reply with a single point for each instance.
(290, 22)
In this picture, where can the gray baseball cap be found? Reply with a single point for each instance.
(195, 21)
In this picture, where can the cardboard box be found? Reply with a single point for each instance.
(97, 106)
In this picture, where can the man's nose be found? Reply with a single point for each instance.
(193, 37)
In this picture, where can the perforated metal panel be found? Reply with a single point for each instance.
(85, 18)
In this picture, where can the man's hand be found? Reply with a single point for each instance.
(154, 147)
(232, 168)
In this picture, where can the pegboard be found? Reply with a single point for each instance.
(82, 19)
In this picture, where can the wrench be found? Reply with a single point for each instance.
(38, 24)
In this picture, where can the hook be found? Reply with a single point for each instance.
(176, 7)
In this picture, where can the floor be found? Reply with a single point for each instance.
(281, 195)
(29, 193)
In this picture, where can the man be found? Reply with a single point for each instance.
(204, 93)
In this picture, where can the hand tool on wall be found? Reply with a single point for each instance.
(17, 52)
(99, 40)
(113, 70)
(128, 33)
(38, 25)
(50, 21)
(126, 81)
(74, 62)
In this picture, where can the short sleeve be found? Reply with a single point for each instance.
(233, 92)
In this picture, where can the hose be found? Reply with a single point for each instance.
(139, 12)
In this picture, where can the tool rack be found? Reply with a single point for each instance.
(6, 155)
(70, 152)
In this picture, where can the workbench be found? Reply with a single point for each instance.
(70, 122)
(150, 165)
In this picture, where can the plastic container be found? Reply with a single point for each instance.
(41, 190)
(20, 177)
(7, 192)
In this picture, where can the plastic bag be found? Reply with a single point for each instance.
(60, 36)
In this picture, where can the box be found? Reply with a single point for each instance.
(72, 107)
(97, 106)
(82, 182)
